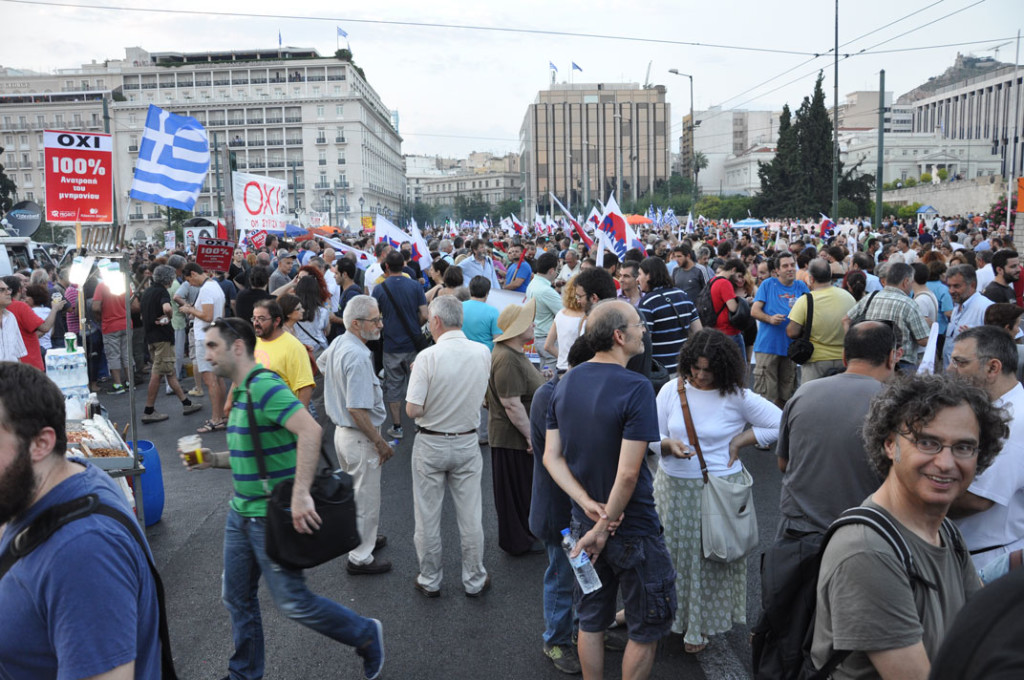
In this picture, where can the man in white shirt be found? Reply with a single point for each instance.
(969, 305)
(991, 512)
(12, 347)
(986, 274)
(570, 269)
(376, 270)
(208, 307)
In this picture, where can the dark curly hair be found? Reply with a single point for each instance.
(724, 359)
(914, 401)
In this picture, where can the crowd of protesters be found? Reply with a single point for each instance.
(582, 382)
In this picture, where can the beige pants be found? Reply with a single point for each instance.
(358, 457)
(818, 369)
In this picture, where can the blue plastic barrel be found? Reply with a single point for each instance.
(152, 481)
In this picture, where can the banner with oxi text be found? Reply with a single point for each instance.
(260, 202)
(79, 177)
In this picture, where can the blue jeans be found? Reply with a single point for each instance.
(245, 558)
(559, 582)
(738, 339)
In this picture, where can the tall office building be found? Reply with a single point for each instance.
(286, 113)
(583, 141)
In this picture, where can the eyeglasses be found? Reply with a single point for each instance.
(638, 324)
(375, 320)
(261, 319)
(932, 447)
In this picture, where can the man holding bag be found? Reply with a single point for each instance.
(291, 438)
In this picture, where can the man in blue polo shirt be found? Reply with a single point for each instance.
(774, 371)
(519, 273)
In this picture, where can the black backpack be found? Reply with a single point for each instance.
(781, 638)
(706, 308)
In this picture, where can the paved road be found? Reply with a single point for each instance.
(497, 635)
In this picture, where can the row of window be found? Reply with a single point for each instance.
(41, 122)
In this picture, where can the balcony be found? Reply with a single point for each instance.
(148, 86)
(335, 77)
(274, 120)
(130, 86)
(202, 83)
(275, 142)
(257, 164)
(291, 187)
(154, 215)
(275, 164)
(293, 119)
(218, 121)
(257, 81)
(243, 81)
(316, 79)
(234, 142)
(277, 79)
(256, 142)
(341, 161)
(343, 210)
(322, 185)
(165, 85)
(339, 140)
(341, 184)
(297, 141)
(139, 216)
(236, 121)
(296, 79)
(297, 163)
(133, 148)
(256, 121)
(322, 161)
(321, 140)
(221, 83)
(184, 83)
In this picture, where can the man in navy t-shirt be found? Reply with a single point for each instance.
(601, 418)
(83, 603)
(774, 371)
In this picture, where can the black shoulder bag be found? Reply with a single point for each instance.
(419, 340)
(52, 519)
(801, 349)
(333, 497)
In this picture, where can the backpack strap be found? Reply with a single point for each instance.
(806, 335)
(254, 432)
(53, 518)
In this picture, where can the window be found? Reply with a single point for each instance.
(297, 91)
(133, 121)
(30, 195)
(337, 90)
(339, 111)
(24, 140)
(320, 111)
(40, 121)
(28, 179)
(316, 90)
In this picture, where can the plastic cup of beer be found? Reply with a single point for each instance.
(191, 446)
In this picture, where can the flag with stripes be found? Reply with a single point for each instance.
(174, 157)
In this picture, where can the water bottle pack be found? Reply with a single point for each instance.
(67, 369)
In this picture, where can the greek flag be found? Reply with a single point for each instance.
(174, 158)
(341, 33)
(552, 66)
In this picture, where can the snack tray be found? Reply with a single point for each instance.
(100, 437)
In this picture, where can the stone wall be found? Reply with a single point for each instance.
(952, 198)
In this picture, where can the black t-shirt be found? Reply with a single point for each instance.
(152, 304)
(246, 301)
(997, 292)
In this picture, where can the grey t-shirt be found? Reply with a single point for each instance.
(828, 470)
(277, 279)
(866, 601)
(690, 281)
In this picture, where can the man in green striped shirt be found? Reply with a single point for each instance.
(291, 446)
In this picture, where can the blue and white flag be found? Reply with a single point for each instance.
(342, 33)
(279, 38)
(552, 66)
(174, 158)
(575, 67)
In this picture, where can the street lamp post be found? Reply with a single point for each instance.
(618, 143)
(360, 213)
(328, 197)
(692, 130)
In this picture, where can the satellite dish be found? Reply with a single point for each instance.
(24, 218)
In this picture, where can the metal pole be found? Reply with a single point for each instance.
(835, 126)
(693, 145)
(618, 143)
(113, 181)
(1016, 142)
(881, 145)
(216, 161)
(295, 188)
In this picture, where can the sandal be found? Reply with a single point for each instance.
(210, 426)
(696, 649)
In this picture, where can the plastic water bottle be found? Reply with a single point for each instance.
(586, 576)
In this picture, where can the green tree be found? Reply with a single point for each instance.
(48, 232)
(472, 207)
(177, 221)
(422, 213)
(943, 174)
(507, 207)
(7, 189)
(926, 178)
(698, 162)
(781, 178)
(814, 134)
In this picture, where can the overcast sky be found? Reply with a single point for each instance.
(459, 89)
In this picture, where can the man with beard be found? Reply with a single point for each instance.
(355, 404)
(1006, 265)
(282, 352)
(83, 603)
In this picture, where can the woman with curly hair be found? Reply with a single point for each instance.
(712, 595)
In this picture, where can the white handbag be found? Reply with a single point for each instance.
(728, 521)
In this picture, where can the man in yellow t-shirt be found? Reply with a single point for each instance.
(830, 306)
(282, 352)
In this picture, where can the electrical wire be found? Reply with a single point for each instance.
(415, 24)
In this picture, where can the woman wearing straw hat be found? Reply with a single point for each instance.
(510, 390)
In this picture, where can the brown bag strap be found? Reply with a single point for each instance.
(691, 431)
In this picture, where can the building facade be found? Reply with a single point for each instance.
(285, 113)
(490, 186)
(723, 134)
(909, 155)
(860, 110)
(583, 141)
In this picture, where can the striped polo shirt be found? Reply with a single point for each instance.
(668, 312)
(274, 405)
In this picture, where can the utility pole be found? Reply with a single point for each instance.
(216, 170)
(113, 180)
(881, 144)
(835, 126)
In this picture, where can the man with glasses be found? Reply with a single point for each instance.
(280, 351)
(929, 435)
(991, 511)
(290, 439)
(354, 402)
(12, 347)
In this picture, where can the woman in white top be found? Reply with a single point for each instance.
(712, 596)
(566, 326)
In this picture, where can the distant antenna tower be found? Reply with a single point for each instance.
(995, 50)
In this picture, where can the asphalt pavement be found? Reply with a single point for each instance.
(494, 636)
